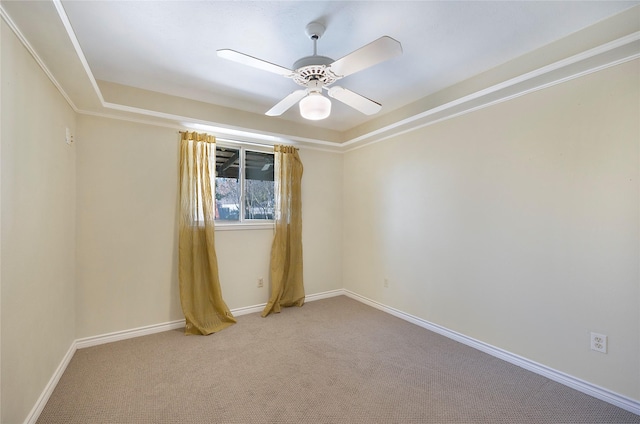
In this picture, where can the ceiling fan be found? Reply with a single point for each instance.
(317, 73)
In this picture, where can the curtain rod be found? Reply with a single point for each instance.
(251, 143)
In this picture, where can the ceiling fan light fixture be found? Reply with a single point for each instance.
(315, 107)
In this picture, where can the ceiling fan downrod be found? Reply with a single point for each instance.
(314, 31)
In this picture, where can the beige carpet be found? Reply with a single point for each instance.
(331, 361)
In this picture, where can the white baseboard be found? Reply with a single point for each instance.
(128, 334)
(35, 412)
(613, 398)
(308, 298)
(173, 325)
(590, 389)
(87, 342)
(324, 295)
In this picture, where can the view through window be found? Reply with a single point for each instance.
(244, 178)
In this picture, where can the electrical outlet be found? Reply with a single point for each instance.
(386, 282)
(599, 342)
(260, 282)
(68, 138)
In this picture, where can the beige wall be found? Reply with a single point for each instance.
(38, 229)
(517, 225)
(127, 239)
(322, 209)
(126, 206)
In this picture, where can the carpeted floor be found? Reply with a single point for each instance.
(331, 361)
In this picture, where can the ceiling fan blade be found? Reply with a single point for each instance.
(384, 48)
(356, 101)
(286, 103)
(254, 62)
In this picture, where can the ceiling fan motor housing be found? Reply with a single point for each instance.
(313, 68)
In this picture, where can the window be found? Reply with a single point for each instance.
(244, 185)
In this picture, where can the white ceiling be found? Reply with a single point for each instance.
(170, 46)
(155, 61)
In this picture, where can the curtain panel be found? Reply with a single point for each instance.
(287, 287)
(200, 294)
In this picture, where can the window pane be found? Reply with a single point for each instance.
(227, 184)
(259, 188)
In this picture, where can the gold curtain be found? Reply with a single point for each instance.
(200, 294)
(287, 288)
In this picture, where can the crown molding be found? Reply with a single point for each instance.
(610, 54)
(131, 104)
(14, 28)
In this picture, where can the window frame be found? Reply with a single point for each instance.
(242, 223)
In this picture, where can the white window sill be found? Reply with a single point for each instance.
(224, 226)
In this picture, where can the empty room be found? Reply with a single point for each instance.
(319, 211)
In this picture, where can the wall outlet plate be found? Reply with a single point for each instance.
(68, 138)
(599, 342)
